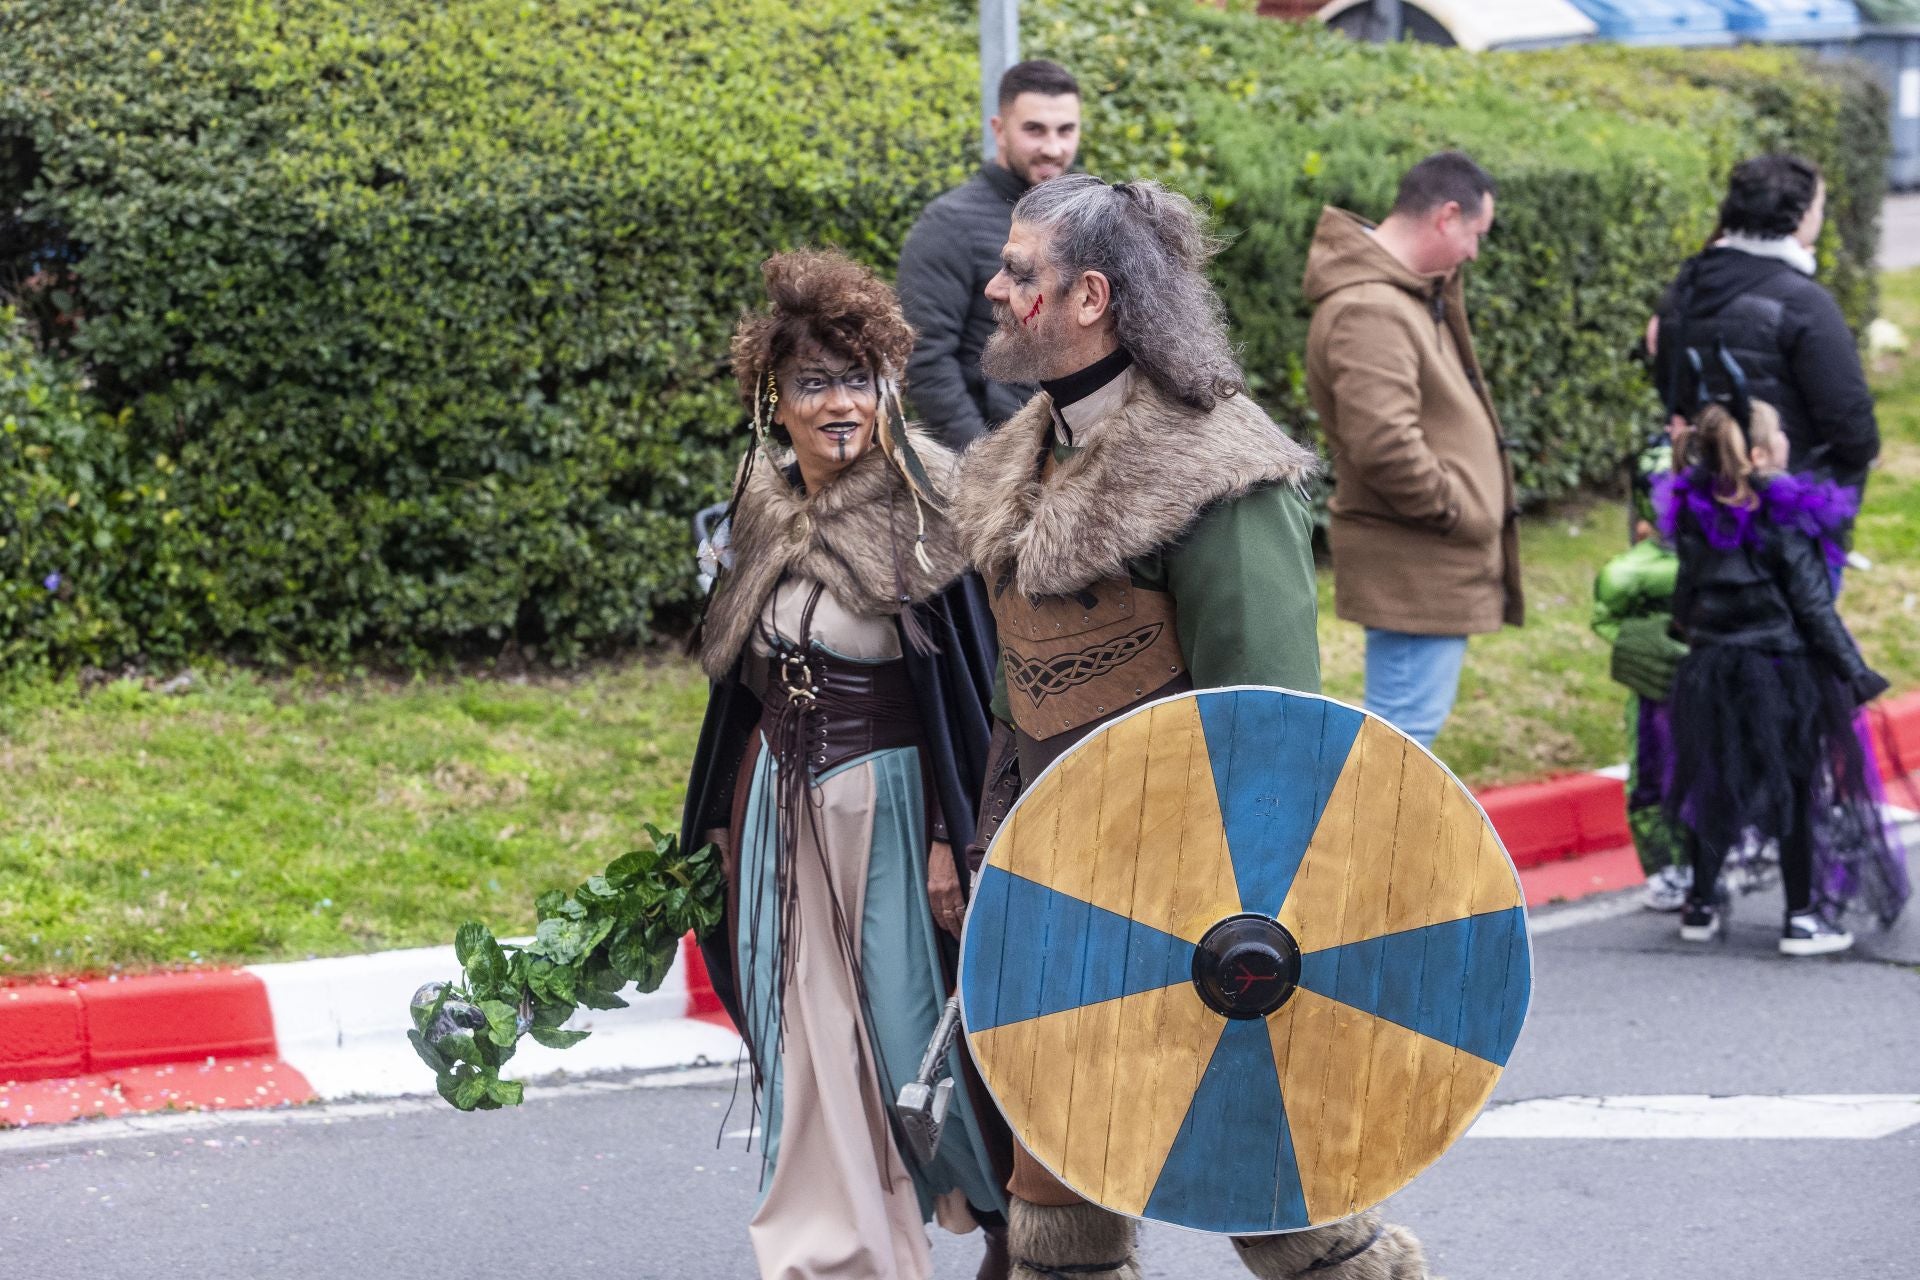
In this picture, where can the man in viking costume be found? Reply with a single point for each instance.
(1141, 530)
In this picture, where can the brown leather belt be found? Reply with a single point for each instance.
(845, 709)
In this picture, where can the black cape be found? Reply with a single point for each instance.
(953, 685)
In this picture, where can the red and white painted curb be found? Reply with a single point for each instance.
(1569, 838)
(276, 1035)
(279, 1034)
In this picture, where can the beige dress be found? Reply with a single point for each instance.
(839, 1199)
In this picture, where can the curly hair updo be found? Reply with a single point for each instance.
(1769, 195)
(818, 297)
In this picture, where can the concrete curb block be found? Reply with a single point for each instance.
(341, 1023)
(1542, 822)
(83, 1026)
(1582, 813)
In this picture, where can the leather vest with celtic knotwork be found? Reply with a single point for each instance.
(1074, 662)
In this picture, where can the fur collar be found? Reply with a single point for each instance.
(1150, 472)
(1820, 509)
(848, 537)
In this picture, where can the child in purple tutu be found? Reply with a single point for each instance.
(1763, 705)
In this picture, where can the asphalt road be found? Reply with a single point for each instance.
(607, 1179)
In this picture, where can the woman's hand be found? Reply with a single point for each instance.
(943, 888)
(721, 839)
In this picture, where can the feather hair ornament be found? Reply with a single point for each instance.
(891, 424)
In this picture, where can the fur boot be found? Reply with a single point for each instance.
(1361, 1248)
(1042, 1237)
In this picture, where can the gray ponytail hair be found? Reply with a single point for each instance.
(1153, 246)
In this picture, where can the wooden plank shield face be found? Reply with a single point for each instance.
(1245, 960)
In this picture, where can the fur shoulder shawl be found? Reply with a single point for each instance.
(1150, 472)
(848, 537)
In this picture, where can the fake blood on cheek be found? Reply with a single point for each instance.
(1038, 298)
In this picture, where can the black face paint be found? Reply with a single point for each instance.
(811, 384)
(810, 388)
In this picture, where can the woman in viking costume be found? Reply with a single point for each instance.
(845, 741)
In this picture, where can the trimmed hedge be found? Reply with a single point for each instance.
(418, 314)
(429, 303)
(80, 517)
(1611, 163)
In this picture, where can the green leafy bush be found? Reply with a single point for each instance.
(83, 519)
(424, 308)
(1611, 162)
(429, 303)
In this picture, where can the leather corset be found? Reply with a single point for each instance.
(1074, 662)
(844, 709)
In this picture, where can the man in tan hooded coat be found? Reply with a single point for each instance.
(1425, 549)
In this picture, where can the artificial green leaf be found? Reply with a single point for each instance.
(554, 1038)
(502, 1022)
(428, 1054)
(470, 1090)
(459, 1045)
(467, 941)
(552, 1014)
(594, 998)
(562, 941)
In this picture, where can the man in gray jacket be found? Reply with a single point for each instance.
(954, 249)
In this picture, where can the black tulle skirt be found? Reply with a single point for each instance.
(1758, 735)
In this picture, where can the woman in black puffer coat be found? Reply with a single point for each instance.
(1752, 291)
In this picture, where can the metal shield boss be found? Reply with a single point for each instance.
(1245, 960)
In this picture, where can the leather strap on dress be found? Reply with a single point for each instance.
(825, 709)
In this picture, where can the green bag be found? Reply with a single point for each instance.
(1645, 656)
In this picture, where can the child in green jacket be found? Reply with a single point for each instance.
(1631, 600)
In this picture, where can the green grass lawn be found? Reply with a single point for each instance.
(249, 819)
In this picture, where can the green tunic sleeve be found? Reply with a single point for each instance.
(1244, 594)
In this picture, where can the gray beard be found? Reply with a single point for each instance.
(1012, 357)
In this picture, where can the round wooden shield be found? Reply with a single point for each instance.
(1245, 960)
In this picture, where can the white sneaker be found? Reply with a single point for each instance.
(1702, 923)
(1667, 889)
(1809, 935)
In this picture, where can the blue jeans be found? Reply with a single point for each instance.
(1412, 680)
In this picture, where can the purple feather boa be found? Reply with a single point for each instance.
(1820, 509)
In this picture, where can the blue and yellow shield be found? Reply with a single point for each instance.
(1245, 960)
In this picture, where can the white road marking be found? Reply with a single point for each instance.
(1698, 1117)
(1701, 1116)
